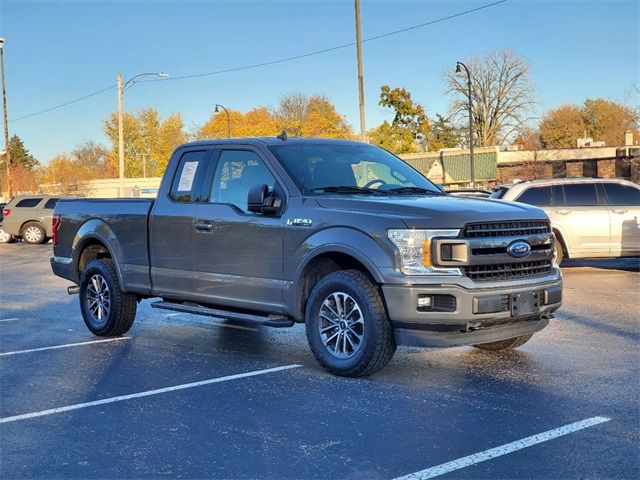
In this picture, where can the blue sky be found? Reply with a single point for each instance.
(56, 51)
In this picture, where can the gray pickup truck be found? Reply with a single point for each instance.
(342, 236)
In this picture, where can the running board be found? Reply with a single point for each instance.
(278, 321)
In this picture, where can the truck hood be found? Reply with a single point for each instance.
(435, 211)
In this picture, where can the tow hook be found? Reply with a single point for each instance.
(73, 290)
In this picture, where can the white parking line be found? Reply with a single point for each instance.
(503, 449)
(145, 393)
(66, 345)
(9, 320)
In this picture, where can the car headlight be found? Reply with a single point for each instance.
(414, 247)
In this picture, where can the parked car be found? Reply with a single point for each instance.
(591, 217)
(342, 236)
(29, 217)
(4, 236)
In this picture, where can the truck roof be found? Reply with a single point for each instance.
(274, 141)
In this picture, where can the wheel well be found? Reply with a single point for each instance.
(90, 251)
(321, 266)
(560, 239)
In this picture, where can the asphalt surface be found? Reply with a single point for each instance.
(428, 407)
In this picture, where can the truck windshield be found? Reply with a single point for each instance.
(351, 170)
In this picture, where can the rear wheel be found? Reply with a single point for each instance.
(347, 325)
(106, 309)
(33, 233)
(508, 344)
(5, 237)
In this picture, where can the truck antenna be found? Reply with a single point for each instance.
(283, 135)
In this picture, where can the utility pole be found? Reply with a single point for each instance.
(472, 166)
(363, 129)
(120, 136)
(7, 153)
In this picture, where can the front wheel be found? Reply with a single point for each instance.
(507, 344)
(347, 325)
(106, 309)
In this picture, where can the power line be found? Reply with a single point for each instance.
(64, 104)
(274, 62)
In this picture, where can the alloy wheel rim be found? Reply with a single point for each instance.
(98, 298)
(32, 234)
(341, 325)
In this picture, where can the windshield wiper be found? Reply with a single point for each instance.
(347, 189)
(419, 190)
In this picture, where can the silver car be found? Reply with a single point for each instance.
(28, 217)
(591, 217)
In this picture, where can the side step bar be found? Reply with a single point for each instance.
(278, 321)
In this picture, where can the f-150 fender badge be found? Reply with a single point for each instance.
(299, 222)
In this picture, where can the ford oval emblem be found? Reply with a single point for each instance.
(519, 249)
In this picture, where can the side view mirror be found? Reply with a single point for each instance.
(259, 201)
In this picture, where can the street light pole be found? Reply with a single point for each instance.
(7, 154)
(121, 88)
(363, 130)
(228, 118)
(458, 70)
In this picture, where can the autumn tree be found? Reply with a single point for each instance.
(528, 138)
(66, 175)
(95, 157)
(502, 96)
(410, 126)
(257, 122)
(315, 116)
(25, 168)
(149, 141)
(608, 120)
(602, 120)
(444, 134)
(561, 127)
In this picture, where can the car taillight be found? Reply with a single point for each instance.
(6, 212)
(55, 224)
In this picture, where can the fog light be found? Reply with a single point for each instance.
(424, 301)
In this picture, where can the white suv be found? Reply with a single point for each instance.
(591, 217)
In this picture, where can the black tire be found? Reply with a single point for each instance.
(120, 307)
(5, 237)
(377, 344)
(558, 252)
(507, 344)
(33, 233)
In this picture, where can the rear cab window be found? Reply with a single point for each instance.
(187, 182)
(28, 202)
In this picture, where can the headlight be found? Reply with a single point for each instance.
(414, 247)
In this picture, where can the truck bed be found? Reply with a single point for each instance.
(111, 221)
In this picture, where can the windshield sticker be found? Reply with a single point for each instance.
(186, 179)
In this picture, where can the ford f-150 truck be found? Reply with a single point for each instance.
(341, 236)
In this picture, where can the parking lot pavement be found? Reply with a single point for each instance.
(191, 397)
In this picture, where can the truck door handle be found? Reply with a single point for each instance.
(619, 211)
(564, 211)
(204, 227)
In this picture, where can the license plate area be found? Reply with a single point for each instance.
(525, 304)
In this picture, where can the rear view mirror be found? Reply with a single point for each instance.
(259, 201)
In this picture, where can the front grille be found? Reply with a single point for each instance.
(506, 229)
(508, 270)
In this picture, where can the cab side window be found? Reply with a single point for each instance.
(236, 173)
(189, 175)
(581, 195)
(538, 196)
(618, 194)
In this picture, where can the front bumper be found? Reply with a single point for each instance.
(480, 315)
